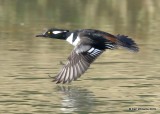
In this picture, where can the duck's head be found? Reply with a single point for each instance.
(54, 33)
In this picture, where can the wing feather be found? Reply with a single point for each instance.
(77, 64)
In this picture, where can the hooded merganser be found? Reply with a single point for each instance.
(89, 44)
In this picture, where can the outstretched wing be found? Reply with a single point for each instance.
(78, 62)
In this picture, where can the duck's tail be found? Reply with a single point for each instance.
(126, 42)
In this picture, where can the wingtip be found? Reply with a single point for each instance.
(58, 81)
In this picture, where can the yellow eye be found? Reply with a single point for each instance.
(49, 32)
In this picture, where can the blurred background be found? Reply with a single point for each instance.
(117, 81)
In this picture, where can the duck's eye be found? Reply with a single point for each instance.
(49, 32)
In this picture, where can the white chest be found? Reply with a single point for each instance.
(70, 40)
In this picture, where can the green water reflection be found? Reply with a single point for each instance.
(117, 81)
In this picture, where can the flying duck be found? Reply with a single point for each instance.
(88, 45)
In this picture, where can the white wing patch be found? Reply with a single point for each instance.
(90, 50)
(110, 46)
(94, 52)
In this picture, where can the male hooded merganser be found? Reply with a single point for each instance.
(88, 45)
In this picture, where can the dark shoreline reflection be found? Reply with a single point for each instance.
(75, 99)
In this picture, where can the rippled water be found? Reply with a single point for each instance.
(116, 82)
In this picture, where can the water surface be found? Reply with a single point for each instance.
(115, 83)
